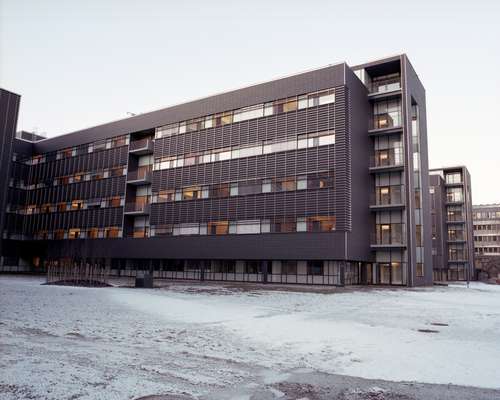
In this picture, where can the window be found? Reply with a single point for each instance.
(419, 236)
(165, 196)
(59, 234)
(284, 225)
(190, 160)
(163, 230)
(321, 223)
(119, 141)
(420, 270)
(101, 145)
(454, 195)
(191, 193)
(221, 190)
(61, 207)
(111, 232)
(222, 119)
(455, 177)
(116, 171)
(248, 227)
(93, 233)
(289, 267)
(386, 114)
(195, 124)
(252, 267)
(74, 233)
(249, 112)
(249, 188)
(301, 224)
(187, 229)
(455, 213)
(167, 130)
(301, 182)
(320, 98)
(284, 184)
(383, 195)
(234, 189)
(77, 204)
(78, 177)
(320, 181)
(218, 228)
(315, 267)
(114, 201)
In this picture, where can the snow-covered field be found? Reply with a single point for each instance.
(116, 343)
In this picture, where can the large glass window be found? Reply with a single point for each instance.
(455, 213)
(455, 177)
(454, 195)
(218, 228)
(315, 267)
(321, 223)
(387, 114)
(386, 83)
(191, 193)
(389, 233)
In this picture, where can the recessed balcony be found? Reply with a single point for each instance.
(142, 176)
(386, 84)
(387, 197)
(141, 147)
(389, 122)
(137, 208)
(388, 236)
(387, 160)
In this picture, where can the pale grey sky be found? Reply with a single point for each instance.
(79, 64)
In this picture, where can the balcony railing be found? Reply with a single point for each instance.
(385, 85)
(389, 235)
(387, 196)
(142, 146)
(137, 208)
(456, 237)
(387, 120)
(142, 175)
(387, 158)
(138, 232)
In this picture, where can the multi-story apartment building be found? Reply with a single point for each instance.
(319, 178)
(487, 239)
(452, 226)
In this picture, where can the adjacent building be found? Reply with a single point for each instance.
(487, 239)
(316, 178)
(452, 224)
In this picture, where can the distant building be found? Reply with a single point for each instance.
(452, 225)
(487, 239)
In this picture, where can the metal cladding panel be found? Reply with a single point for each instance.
(288, 246)
(9, 108)
(289, 86)
(413, 91)
(342, 159)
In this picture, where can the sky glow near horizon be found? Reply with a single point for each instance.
(80, 65)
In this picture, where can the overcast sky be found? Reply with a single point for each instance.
(79, 64)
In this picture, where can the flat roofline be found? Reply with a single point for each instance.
(198, 99)
(370, 63)
(445, 168)
(10, 91)
(492, 205)
(291, 75)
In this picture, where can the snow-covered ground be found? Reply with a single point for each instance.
(116, 343)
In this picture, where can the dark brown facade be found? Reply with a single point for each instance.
(284, 181)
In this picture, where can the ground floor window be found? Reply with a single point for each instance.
(315, 267)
